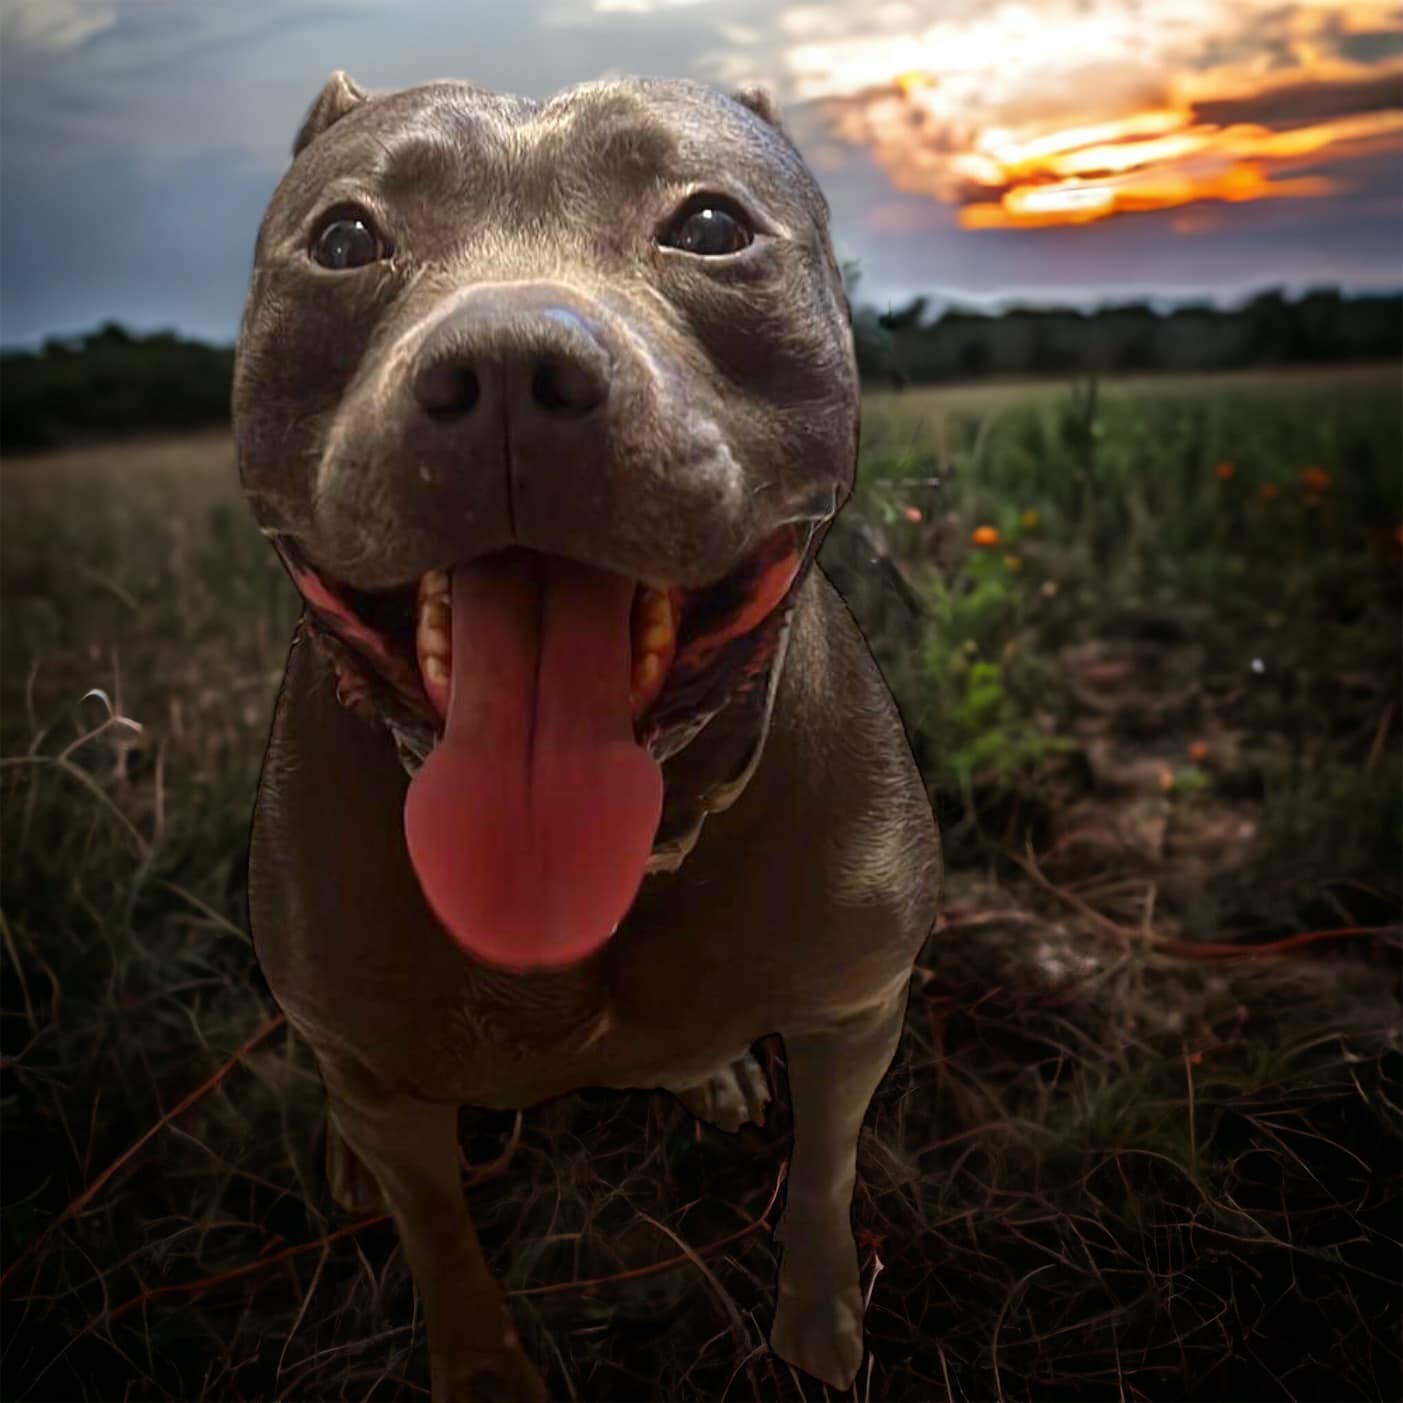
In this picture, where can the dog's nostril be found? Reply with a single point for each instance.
(563, 387)
(447, 388)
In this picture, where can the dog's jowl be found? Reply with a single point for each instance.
(581, 773)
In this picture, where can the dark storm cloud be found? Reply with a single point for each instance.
(1299, 103)
(136, 163)
(169, 247)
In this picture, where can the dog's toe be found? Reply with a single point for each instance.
(731, 1097)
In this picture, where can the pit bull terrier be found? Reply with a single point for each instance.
(581, 774)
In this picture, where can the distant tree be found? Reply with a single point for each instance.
(111, 334)
(907, 318)
(1269, 323)
(872, 342)
(111, 382)
(975, 358)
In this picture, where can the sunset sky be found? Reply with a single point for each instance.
(1068, 150)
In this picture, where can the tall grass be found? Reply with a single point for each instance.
(1142, 1135)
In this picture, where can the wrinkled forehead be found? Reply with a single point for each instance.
(622, 139)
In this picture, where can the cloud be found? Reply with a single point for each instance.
(141, 140)
(1032, 116)
(153, 248)
(1304, 99)
(53, 26)
(642, 7)
(165, 81)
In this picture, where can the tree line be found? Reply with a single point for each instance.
(111, 382)
(906, 346)
(114, 382)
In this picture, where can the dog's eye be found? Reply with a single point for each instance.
(708, 228)
(349, 241)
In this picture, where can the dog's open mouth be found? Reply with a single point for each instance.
(544, 693)
(686, 646)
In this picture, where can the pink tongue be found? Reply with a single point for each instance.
(531, 821)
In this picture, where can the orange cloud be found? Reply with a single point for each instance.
(1071, 202)
(1030, 116)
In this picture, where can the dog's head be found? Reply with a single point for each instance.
(499, 353)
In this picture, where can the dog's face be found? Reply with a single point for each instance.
(604, 331)
(608, 327)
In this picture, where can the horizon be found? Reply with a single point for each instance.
(938, 304)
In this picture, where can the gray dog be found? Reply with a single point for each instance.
(546, 408)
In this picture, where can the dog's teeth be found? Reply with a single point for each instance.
(655, 627)
(433, 631)
(435, 643)
(646, 671)
(654, 638)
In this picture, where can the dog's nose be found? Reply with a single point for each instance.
(512, 350)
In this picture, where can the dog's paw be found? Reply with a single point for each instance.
(730, 1098)
(352, 1185)
(505, 1378)
(819, 1331)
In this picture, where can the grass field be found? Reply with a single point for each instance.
(1142, 1137)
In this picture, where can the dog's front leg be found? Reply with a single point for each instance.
(411, 1147)
(832, 1077)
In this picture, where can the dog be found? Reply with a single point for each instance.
(581, 773)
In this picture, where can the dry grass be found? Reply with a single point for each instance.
(1142, 1136)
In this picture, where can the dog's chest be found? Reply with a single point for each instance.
(469, 1036)
(364, 974)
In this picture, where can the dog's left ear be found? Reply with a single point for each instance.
(761, 103)
(342, 94)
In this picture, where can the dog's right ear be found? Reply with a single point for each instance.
(759, 101)
(340, 95)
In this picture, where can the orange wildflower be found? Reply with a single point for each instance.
(912, 513)
(985, 536)
(1198, 751)
(1268, 491)
(1315, 479)
(1225, 470)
